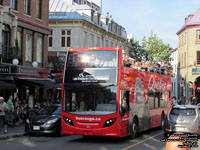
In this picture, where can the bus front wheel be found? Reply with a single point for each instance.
(134, 129)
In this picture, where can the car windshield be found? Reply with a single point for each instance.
(50, 110)
(183, 112)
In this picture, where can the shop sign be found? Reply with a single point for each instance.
(195, 71)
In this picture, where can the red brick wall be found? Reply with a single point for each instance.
(44, 21)
(21, 13)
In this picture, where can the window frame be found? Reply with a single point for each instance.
(39, 9)
(40, 50)
(198, 57)
(50, 36)
(14, 4)
(66, 37)
(27, 7)
(31, 52)
(198, 35)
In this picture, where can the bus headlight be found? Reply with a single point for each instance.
(109, 122)
(68, 121)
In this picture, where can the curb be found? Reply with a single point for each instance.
(4, 137)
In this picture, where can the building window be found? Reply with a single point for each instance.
(27, 7)
(39, 49)
(85, 39)
(198, 57)
(29, 47)
(19, 42)
(98, 42)
(184, 59)
(106, 43)
(111, 44)
(65, 38)
(92, 40)
(51, 39)
(13, 4)
(198, 34)
(39, 9)
(1, 2)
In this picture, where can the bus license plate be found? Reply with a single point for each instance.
(179, 129)
(36, 127)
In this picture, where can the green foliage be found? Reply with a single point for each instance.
(156, 49)
(136, 51)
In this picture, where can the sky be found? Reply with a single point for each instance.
(139, 17)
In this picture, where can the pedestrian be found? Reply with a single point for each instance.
(174, 101)
(3, 110)
(11, 110)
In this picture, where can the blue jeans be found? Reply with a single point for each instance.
(11, 117)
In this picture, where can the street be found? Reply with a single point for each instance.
(146, 140)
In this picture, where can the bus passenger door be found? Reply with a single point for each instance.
(124, 110)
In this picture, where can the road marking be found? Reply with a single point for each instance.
(142, 141)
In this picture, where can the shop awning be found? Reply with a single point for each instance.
(38, 82)
(6, 86)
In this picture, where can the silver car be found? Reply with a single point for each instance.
(184, 119)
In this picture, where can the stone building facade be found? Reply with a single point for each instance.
(78, 24)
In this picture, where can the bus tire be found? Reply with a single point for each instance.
(134, 129)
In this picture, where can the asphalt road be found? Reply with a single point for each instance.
(147, 140)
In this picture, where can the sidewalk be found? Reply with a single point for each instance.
(12, 132)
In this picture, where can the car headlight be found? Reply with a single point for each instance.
(52, 121)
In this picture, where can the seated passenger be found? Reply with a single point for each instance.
(127, 63)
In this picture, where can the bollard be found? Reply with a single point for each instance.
(174, 141)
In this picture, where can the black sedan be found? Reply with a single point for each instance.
(44, 120)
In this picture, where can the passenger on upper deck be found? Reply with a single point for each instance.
(127, 63)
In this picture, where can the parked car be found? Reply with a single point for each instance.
(44, 120)
(184, 119)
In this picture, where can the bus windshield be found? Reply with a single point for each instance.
(92, 59)
(90, 99)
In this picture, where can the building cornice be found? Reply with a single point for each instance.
(34, 24)
(85, 24)
(185, 27)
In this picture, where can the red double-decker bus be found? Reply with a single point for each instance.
(101, 97)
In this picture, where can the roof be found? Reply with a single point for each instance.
(191, 20)
(65, 15)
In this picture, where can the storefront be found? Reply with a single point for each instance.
(30, 84)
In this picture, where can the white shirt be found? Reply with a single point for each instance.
(3, 107)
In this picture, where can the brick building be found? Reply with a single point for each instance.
(25, 31)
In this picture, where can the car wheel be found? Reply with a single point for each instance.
(134, 129)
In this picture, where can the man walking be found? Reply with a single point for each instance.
(11, 110)
(3, 109)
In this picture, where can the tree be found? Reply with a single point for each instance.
(136, 51)
(156, 49)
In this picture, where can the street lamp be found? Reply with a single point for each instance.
(35, 64)
(15, 61)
